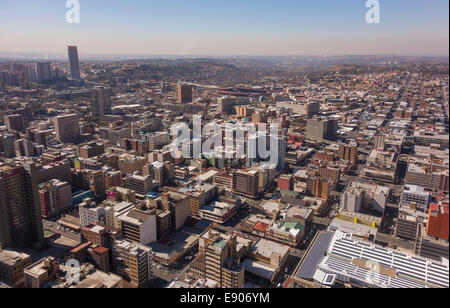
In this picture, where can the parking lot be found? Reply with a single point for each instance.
(63, 231)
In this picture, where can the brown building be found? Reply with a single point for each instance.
(91, 149)
(132, 164)
(327, 172)
(349, 152)
(184, 93)
(12, 266)
(319, 187)
(15, 122)
(246, 183)
(132, 262)
(113, 179)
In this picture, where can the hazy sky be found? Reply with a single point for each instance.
(226, 27)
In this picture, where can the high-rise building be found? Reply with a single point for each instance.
(15, 122)
(322, 129)
(246, 183)
(67, 128)
(43, 71)
(140, 184)
(23, 148)
(319, 187)
(222, 259)
(349, 152)
(55, 198)
(74, 63)
(8, 145)
(139, 226)
(101, 101)
(184, 93)
(132, 262)
(20, 215)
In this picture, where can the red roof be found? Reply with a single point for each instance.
(438, 222)
(101, 249)
(260, 227)
(81, 247)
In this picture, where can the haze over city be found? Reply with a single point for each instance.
(249, 27)
(227, 152)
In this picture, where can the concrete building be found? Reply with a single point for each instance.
(55, 198)
(415, 197)
(338, 259)
(20, 213)
(129, 164)
(349, 152)
(369, 196)
(91, 149)
(75, 73)
(43, 71)
(142, 185)
(322, 129)
(132, 262)
(246, 183)
(222, 258)
(90, 213)
(101, 102)
(15, 122)
(67, 128)
(12, 266)
(139, 226)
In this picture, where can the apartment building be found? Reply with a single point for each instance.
(132, 262)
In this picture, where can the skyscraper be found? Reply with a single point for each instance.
(74, 63)
(67, 128)
(101, 101)
(184, 93)
(43, 71)
(20, 215)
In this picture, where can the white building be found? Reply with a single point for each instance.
(360, 195)
(139, 226)
(416, 196)
(91, 213)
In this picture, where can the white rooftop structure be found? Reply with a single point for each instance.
(367, 264)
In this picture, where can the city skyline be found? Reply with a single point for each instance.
(260, 28)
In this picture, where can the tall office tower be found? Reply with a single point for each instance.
(20, 215)
(67, 128)
(322, 129)
(15, 122)
(8, 145)
(23, 148)
(184, 93)
(74, 63)
(312, 109)
(101, 101)
(43, 71)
